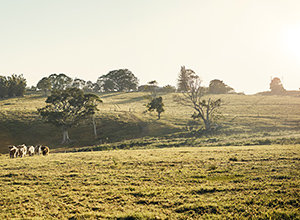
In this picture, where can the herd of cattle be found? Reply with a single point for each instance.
(22, 150)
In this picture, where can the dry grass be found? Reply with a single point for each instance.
(249, 182)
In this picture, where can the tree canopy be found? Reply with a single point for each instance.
(44, 84)
(68, 108)
(79, 83)
(217, 86)
(122, 80)
(11, 86)
(276, 86)
(185, 78)
(156, 104)
(60, 81)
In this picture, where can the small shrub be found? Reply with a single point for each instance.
(212, 167)
(265, 142)
(233, 159)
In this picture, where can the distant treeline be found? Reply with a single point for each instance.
(12, 86)
(121, 80)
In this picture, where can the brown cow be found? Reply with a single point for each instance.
(45, 150)
(38, 150)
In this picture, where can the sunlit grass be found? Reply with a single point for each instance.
(249, 182)
(122, 117)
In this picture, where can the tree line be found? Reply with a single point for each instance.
(121, 80)
(12, 86)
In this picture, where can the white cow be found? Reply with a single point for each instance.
(13, 151)
(30, 150)
(22, 150)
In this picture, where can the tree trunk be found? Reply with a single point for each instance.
(207, 125)
(207, 120)
(66, 138)
(94, 126)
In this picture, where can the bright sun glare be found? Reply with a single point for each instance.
(292, 40)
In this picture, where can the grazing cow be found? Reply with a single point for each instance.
(38, 150)
(31, 150)
(45, 150)
(22, 150)
(13, 151)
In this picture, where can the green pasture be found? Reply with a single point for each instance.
(242, 182)
(245, 120)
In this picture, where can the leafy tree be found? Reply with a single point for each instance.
(184, 77)
(156, 104)
(89, 85)
(168, 89)
(16, 85)
(152, 88)
(276, 86)
(60, 81)
(3, 87)
(78, 83)
(119, 81)
(44, 84)
(68, 108)
(193, 96)
(217, 86)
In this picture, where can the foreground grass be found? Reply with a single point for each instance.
(245, 182)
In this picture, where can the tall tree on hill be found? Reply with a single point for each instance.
(152, 88)
(157, 105)
(89, 86)
(60, 81)
(69, 108)
(217, 86)
(193, 96)
(44, 84)
(183, 79)
(276, 86)
(122, 80)
(154, 103)
(3, 87)
(16, 85)
(79, 83)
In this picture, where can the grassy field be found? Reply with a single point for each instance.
(243, 182)
(246, 120)
(143, 168)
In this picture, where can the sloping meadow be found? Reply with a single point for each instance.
(245, 120)
(248, 182)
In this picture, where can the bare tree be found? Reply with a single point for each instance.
(193, 96)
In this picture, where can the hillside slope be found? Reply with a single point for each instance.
(122, 117)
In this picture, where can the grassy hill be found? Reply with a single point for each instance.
(168, 173)
(245, 120)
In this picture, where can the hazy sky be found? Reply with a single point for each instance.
(242, 42)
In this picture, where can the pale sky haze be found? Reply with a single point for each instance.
(242, 42)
